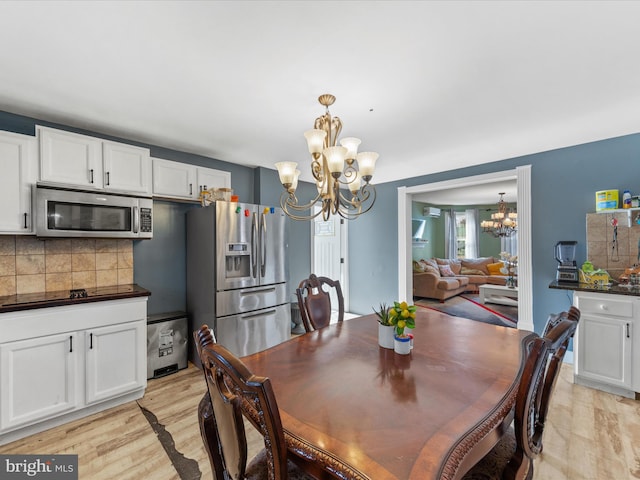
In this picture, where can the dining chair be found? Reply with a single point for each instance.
(554, 319)
(512, 457)
(314, 301)
(230, 385)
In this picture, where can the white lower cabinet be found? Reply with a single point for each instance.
(53, 371)
(39, 379)
(604, 356)
(113, 362)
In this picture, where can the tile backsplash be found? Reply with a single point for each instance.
(32, 265)
(600, 246)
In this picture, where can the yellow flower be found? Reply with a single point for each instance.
(405, 313)
(401, 324)
(413, 315)
(403, 306)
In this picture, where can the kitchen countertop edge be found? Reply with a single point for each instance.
(585, 287)
(129, 291)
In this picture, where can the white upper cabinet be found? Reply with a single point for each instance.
(184, 181)
(71, 159)
(209, 178)
(18, 164)
(126, 168)
(174, 179)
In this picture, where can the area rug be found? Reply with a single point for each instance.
(468, 306)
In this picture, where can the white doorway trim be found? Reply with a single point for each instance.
(522, 175)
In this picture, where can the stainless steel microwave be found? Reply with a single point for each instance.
(72, 213)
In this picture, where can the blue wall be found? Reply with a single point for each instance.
(563, 186)
(268, 190)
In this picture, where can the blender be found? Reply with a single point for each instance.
(565, 253)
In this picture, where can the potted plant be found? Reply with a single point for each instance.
(402, 316)
(510, 268)
(385, 327)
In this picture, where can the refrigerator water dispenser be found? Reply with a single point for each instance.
(237, 262)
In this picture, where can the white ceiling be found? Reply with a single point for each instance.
(481, 194)
(431, 86)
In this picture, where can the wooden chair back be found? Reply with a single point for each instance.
(314, 301)
(231, 385)
(538, 382)
(559, 335)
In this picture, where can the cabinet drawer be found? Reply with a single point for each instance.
(605, 306)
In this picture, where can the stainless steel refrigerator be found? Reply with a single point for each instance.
(237, 275)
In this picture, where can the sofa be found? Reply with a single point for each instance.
(441, 278)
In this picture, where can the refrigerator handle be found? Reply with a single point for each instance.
(260, 314)
(254, 245)
(263, 245)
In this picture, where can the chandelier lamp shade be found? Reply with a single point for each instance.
(503, 223)
(333, 166)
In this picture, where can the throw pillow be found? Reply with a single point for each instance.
(431, 269)
(478, 263)
(418, 266)
(445, 271)
(494, 268)
(470, 271)
(428, 263)
(453, 263)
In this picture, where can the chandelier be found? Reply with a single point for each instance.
(503, 223)
(332, 166)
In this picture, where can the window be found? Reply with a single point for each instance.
(461, 234)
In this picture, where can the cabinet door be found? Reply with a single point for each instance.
(126, 168)
(39, 379)
(604, 350)
(174, 179)
(18, 166)
(69, 158)
(209, 178)
(116, 360)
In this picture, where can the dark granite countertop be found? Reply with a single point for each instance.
(616, 289)
(28, 301)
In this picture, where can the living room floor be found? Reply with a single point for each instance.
(468, 305)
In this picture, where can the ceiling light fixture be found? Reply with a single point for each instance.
(504, 223)
(332, 166)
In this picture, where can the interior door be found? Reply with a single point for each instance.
(329, 253)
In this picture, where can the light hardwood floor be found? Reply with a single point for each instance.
(590, 435)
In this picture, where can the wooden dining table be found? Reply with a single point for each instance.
(353, 410)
